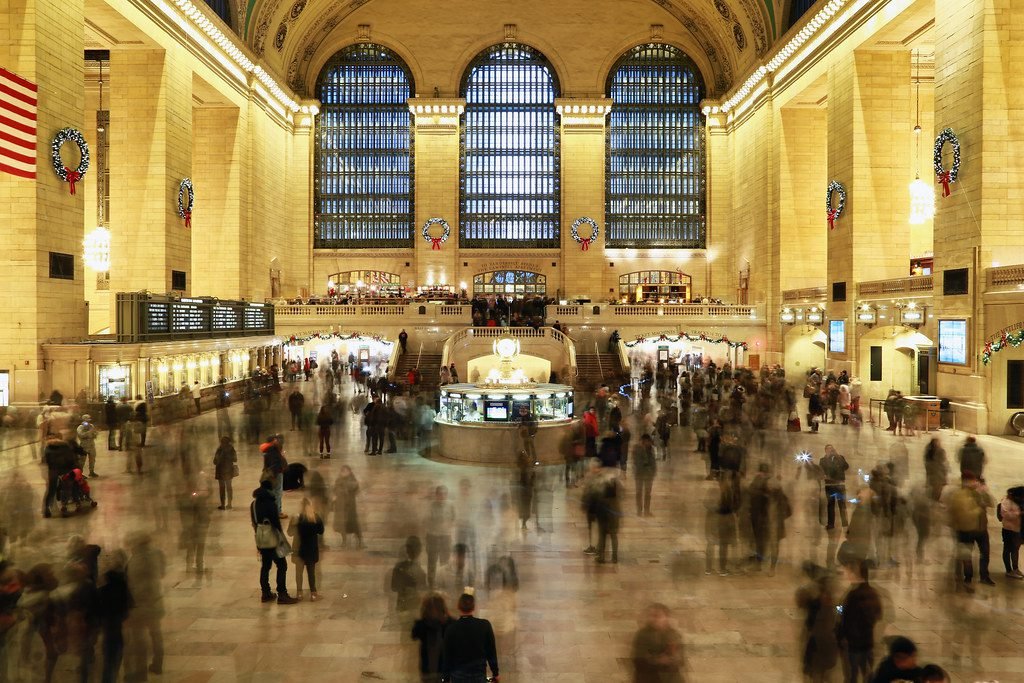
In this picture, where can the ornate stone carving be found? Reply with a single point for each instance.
(296, 9)
(741, 38)
(723, 9)
(282, 33)
(363, 32)
(511, 31)
(657, 31)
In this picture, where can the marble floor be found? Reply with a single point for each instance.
(571, 621)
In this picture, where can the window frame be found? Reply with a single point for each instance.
(529, 234)
(400, 224)
(667, 228)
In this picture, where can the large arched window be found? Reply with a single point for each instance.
(509, 175)
(656, 157)
(363, 188)
(223, 10)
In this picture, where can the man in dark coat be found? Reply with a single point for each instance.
(469, 646)
(264, 509)
(110, 418)
(59, 459)
(861, 610)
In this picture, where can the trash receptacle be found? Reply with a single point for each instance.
(947, 414)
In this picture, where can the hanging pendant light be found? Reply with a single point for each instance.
(96, 252)
(922, 195)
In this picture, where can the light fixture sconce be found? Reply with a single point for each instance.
(787, 316)
(912, 315)
(866, 315)
(814, 316)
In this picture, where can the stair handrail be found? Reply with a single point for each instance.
(600, 366)
(419, 356)
(396, 355)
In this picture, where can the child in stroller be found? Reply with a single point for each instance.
(73, 487)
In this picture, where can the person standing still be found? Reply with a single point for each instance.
(469, 647)
(834, 467)
(273, 469)
(110, 419)
(124, 416)
(225, 469)
(263, 510)
(87, 439)
(645, 467)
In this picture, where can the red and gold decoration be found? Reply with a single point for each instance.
(431, 235)
(686, 337)
(1011, 339)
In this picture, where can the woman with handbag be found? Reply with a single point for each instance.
(306, 530)
(271, 543)
(225, 463)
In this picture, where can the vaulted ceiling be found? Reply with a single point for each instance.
(293, 36)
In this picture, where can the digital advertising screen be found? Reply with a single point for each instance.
(837, 336)
(953, 341)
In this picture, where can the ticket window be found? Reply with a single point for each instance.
(114, 382)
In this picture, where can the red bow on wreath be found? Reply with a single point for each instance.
(585, 244)
(435, 244)
(832, 215)
(945, 180)
(188, 219)
(73, 177)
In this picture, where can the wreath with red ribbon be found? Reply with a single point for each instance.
(941, 174)
(833, 214)
(66, 174)
(585, 241)
(185, 209)
(435, 242)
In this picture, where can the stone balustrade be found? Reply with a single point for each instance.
(1006, 278)
(805, 295)
(918, 286)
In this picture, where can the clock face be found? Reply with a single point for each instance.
(506, 348)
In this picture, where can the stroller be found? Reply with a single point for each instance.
(73, 488)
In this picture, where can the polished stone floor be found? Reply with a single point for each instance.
(571, 621)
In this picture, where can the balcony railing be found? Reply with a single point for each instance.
(807, 294)
(919, 285)
(613, 313)
(1006, 278)
(452, 312)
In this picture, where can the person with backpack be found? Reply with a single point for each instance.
(269, 536)
(834, 466)
(968, 517)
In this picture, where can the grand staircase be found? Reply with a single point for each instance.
(430, 368)
(595, 368)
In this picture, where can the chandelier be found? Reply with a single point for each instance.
(96, 252)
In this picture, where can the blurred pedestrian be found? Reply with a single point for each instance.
(408, 579)
(1009, 513)
(429, 629)
(346, 513)
(306, 529)
(645, 468)
(657, 649)
(860, 611)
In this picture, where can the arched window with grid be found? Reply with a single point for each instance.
(363, 187)
(655, 171)
(509, 171)
(223, 10)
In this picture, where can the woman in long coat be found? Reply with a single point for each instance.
(346, 515)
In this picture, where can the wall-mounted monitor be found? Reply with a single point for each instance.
(837, 336)
(953, 341)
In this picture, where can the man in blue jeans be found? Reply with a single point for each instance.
(264, 509)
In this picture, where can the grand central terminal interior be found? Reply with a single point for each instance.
(622, 340)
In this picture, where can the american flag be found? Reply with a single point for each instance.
(17, 125)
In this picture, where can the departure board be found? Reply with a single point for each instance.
(148, 317)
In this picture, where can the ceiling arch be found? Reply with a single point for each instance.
(288, 34)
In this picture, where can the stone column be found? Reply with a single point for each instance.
(42, 42)
(979, 93)
(217, 144)
(437, 186)
(151, 152)
(583, 190)
(870, 121)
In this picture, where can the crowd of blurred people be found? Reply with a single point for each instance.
(104, 605)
